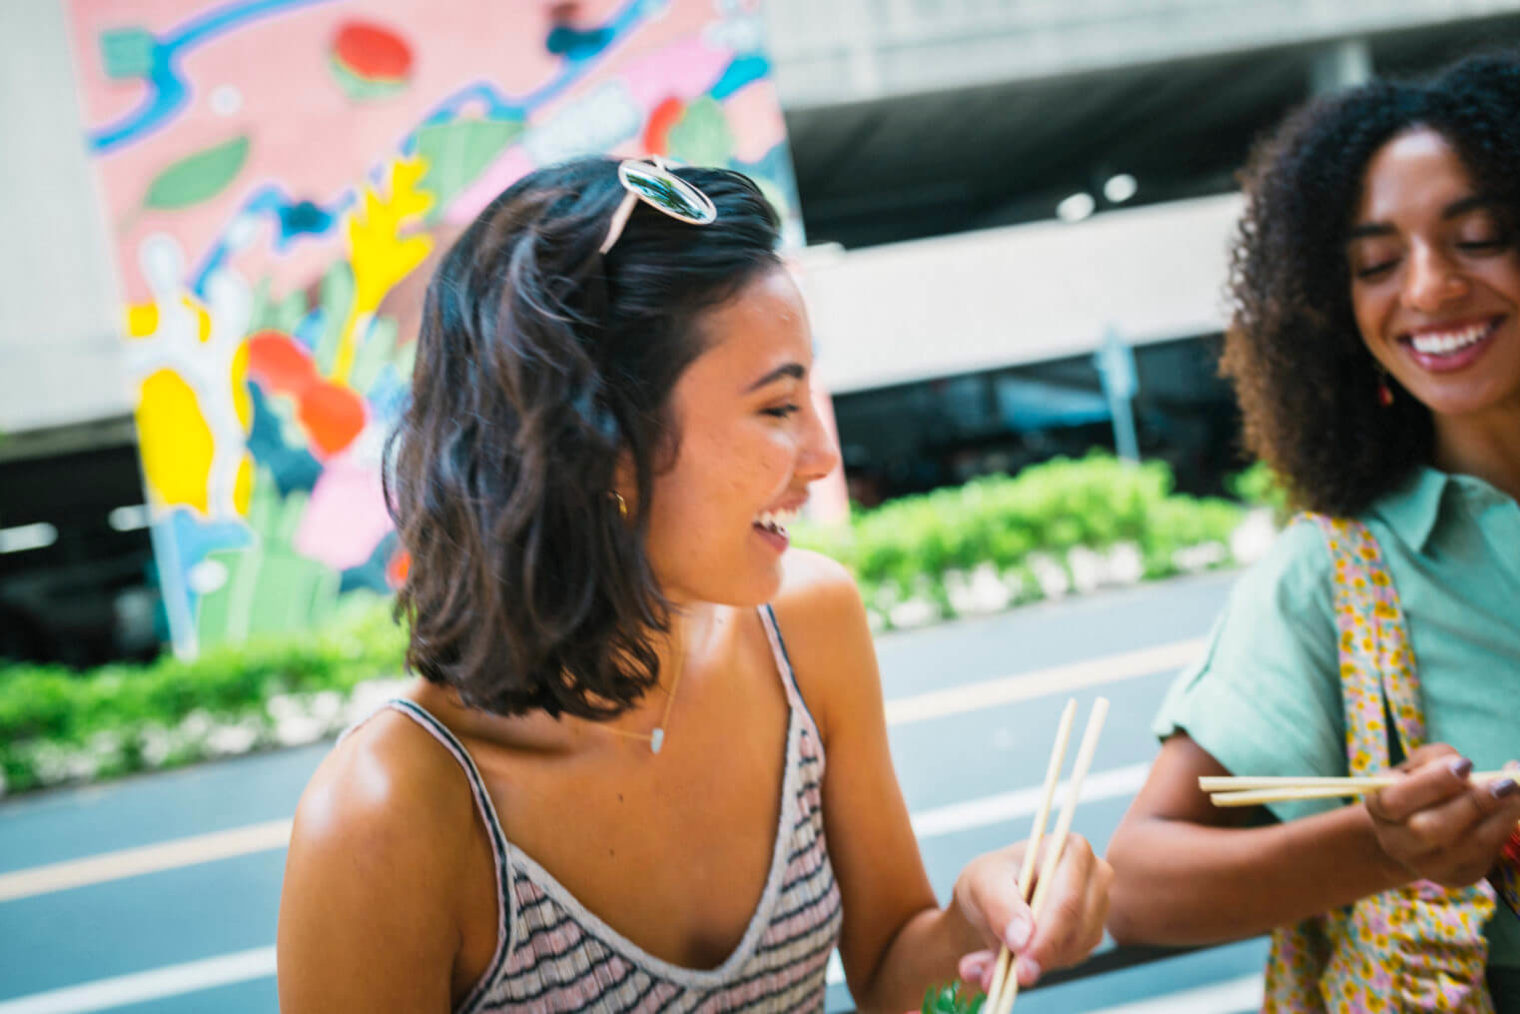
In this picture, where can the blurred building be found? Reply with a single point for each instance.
(1012, 179)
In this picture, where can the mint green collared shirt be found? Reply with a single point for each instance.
(1266, 698)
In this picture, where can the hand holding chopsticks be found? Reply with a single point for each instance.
(1435, 818)
(1005, 984)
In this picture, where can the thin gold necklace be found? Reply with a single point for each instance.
(656, 739)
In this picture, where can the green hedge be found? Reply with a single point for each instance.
(59, 726)
(908, 548)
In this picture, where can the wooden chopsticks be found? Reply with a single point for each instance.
(1005, 984)
(1255, 791)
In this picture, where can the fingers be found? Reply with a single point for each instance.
(1442, 825)
(994, 906)
(976, 969)
(1074, 910)
(1441, 778)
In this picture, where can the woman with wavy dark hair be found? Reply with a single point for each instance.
(1375, 350)
(608, 790)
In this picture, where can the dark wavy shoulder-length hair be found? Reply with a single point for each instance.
(1306, 383)
(540, 363)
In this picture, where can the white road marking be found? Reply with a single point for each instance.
(1005, 806)
(201, 848)
(140, 987)
(1024, 686)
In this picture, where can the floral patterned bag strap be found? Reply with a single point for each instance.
(1377, 665)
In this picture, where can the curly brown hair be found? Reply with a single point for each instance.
(1306, 383)
(540, 365)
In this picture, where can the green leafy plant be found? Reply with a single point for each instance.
(952, 999)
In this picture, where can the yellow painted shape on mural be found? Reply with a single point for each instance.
(175, 441)
(380, 257)
(202, 318)
(242, 486)
(242, 401)
(142, 319)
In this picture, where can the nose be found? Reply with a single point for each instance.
(819, 451)
(1432, 281)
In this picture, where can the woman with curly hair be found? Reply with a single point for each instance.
(607, 790)
(1375, 350)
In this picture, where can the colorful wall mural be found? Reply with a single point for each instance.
(280, 176)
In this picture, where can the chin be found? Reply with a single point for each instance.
(746, 591)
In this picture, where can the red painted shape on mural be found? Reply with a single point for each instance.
(399, 566)
(373, 52)
(278, 363)
(657, 131)
(332, 415)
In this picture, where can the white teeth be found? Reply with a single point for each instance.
(776, 521)
(1447, 342)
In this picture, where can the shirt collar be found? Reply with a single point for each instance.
(1413, 509)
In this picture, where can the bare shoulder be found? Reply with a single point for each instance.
(828, 638)
(371, 902)
(387, 783)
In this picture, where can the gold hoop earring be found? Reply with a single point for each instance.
(622, 505)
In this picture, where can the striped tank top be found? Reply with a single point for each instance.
(553, 954)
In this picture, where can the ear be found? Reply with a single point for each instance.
(624, 482)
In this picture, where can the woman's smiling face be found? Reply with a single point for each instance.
(749, 441)
(1435, 279)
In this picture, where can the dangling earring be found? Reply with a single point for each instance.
(1384, 393)
(622, 504)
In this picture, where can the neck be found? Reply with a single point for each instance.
(1486, 446)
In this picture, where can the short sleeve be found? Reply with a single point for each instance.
(1266, 698)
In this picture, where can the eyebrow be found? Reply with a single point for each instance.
(796, 371)
(1455, 209)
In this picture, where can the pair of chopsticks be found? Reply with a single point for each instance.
(1005, 984)
(1227, 791)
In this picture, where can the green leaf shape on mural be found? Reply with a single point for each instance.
(199, 177)
(270, 588)
(702, 135)
(458, 152)
(337, 299)
(127, 52)
(379, 348)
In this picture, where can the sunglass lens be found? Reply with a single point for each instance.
(668, 192)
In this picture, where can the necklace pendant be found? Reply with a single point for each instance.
(656, 740)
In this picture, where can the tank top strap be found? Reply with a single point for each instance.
(784, 666)
(506, 898)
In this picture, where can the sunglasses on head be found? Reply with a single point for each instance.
(651, 181)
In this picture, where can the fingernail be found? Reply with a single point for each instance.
(974, 966)
(1018, 931)
(1504, 788)
(1461, 767)
(1029, 971)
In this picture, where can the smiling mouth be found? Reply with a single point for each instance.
(1452, 341)
(775, 522)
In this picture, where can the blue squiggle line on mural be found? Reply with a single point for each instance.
(168, 91)
(292, 218)
(744, 70)
(576, 64)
